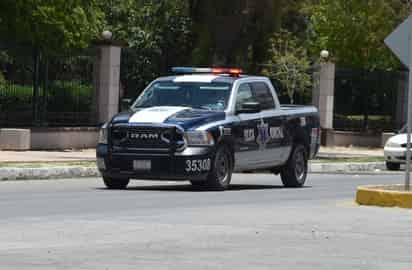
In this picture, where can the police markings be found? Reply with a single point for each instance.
(276, 133)
(265, 134)
(249, 135)
(302, 121)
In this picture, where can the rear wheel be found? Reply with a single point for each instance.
(116, 183)
(221, 174)
(393, 166)
(294, 173)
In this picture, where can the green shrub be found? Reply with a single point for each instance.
(69, 96)
(376, 123)
(2, 79)
(15, 97)
(61, 96)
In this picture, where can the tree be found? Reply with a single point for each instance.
(234, 32)
(47, 27)
(50, 26)
(157, 34)
(218, 27)
(354, 31)
(288, 64)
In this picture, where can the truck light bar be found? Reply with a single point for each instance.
(191, 70)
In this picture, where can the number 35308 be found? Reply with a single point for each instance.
(198, 165)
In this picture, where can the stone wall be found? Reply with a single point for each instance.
(64, 138)
(345, 138)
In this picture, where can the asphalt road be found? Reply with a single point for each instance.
(77, 224)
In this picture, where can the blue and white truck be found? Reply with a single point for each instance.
(203, 124)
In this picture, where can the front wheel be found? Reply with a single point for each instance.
(220, 176)
(116, 183)
(393, 166)
(294, 173)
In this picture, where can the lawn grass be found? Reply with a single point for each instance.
(370, 117)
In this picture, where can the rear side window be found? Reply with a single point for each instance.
(263, 95)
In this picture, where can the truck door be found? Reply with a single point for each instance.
(272, 137)
(245, 130)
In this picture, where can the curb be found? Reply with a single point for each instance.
(77, 172)
(383, 196)
(47, 173)
(370, 167)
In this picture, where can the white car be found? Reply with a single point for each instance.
(395, 151)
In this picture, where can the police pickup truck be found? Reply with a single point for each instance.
(204, 124)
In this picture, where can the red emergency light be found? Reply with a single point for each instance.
(192, 70)
(231, 71)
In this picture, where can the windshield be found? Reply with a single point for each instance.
(208, 96)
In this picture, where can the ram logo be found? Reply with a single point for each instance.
(144, 136)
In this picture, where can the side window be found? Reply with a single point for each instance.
(262, 94)
(244, 94)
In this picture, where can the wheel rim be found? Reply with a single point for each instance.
(300, 165)
(222, 167)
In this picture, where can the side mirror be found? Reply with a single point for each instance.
(125, 104)
(250, 107)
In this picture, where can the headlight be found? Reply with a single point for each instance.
(199, 138)
(103, 134)
(392, 144)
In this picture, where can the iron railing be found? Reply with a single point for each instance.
(43, 90)
(365, 101)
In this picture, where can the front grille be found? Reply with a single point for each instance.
(145, 138)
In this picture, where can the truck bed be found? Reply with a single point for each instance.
(298, 109)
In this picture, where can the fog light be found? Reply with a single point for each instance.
(100, 164)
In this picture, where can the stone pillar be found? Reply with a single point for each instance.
(323, 99)
(107, 81)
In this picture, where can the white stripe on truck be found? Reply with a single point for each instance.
(155, 114)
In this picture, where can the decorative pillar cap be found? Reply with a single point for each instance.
(107, 35)
(324, 55)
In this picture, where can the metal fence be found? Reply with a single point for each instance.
(40, 90)
(365, 101)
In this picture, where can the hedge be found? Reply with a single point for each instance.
(61, 96)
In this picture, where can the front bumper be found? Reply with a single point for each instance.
(164, 166)
(395, 154)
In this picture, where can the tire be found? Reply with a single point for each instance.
(116, 183)
(222, 168)
(393, 166)
(294, 173)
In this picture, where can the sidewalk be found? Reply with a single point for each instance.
(90, 154)
(349, 152)
(48, 156)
